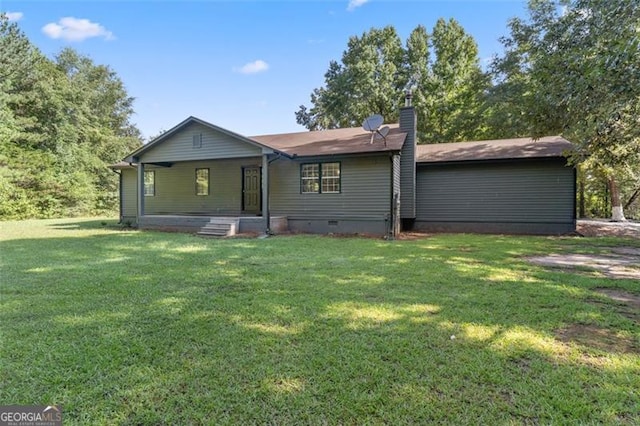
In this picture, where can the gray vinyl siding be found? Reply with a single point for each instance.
(396, 174)
(129, 194)
(396, 201)
(408, 164)
(175, 190)
(532, 193)
(215, 145)
(365, 189)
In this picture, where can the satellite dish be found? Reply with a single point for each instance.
(372, 123)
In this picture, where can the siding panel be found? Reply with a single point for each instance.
(365, 190)
(215, 145)
(396, 174)
(175, 187)
(129, 193)
(525, 192)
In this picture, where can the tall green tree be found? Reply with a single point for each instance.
(579, 62)
(418, 76)
(61, 124)
(374, 73)
(101, 111)
(28, 186)
(457, 85)
(366, 81)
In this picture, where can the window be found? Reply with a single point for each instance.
(310, 173)
(202, 181)
(320, 178)
(330, 173)
(149, 183)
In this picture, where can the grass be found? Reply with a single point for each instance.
(127, 327)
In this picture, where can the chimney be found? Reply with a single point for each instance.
(407, 98)
(408, 125)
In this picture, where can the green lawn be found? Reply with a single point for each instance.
(127, 327)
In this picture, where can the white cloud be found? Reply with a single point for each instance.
(253, 67)
(14, 16)
(353, 4)
(74, 29)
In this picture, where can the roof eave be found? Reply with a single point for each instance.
(191, 119)
(488, 160)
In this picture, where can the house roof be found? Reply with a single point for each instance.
(122, 165)
(501, 149)
(175, 129)
(315, 143)
(353, 140)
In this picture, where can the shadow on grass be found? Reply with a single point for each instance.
(167, 328)
(103, 223)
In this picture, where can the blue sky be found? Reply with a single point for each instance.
(245, 65)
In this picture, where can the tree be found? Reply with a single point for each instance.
(366, 81)
(375, 69)
(61, 124)
(418, 74)
(456, 86)
(581, 59)
(101, 110)
(26, 181)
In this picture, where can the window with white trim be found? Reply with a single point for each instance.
(320, 178)
(330, 175)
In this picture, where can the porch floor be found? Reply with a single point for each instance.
(194, 222)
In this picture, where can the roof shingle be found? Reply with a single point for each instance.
(501, 149)
(353, 140)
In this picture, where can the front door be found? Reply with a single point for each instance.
(251, 189)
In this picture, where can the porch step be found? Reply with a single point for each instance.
(220, 227)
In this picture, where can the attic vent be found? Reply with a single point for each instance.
(197, 141)
(333, 223)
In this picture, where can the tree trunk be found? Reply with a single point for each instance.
(581, 206)
(633, 197)
(617, 214)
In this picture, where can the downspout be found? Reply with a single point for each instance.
(390, 219)
(140, 191)
(265, 195)
(120, 193)
(266, 214)
(277, 158)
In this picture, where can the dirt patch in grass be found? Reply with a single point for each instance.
(623, 302)
(621, 296)
(592, 336)
(411, 236)
(605, 228)
(618, 262)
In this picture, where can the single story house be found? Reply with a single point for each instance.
(200, 177)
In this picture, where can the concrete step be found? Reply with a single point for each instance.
(220, 227)
(217, 226)
(211, 234)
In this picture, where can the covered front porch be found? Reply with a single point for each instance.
(198, 172)
(237, 224)
(233, 194)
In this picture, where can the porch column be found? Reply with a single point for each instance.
(140, 190)
(265, 194)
